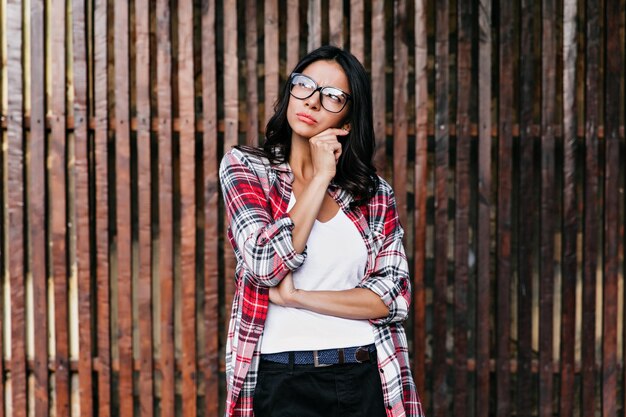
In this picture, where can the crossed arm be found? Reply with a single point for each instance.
(355, 303)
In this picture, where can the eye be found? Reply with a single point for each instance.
(302, 82)
(335, 96)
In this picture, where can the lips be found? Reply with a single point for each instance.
(306, 118)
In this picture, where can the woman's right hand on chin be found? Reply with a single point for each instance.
(325, 152)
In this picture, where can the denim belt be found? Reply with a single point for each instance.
(357, 354)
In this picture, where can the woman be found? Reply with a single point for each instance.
(322, 278)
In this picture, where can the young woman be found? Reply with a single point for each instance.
(322, 277)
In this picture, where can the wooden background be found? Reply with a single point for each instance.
(499, 124)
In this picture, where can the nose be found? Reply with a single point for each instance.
(314, 101)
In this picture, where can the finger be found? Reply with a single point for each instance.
(332, 131)
(337, 155)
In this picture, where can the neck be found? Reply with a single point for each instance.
(300, 158)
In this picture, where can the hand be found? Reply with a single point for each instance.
(284, 293)
(325, 151)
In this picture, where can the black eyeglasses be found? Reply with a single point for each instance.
(332, 99)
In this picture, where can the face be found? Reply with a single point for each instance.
(307, 117)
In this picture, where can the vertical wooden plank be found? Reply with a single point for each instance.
(122, 211)
(570, 214)
(546, 258)
(613, 73)
(591, 221)
(57, 206)
(484, 209)
(230, 104)
(15, 206)
(252, 96)
(271, 57)
(400, 99)
(144, 287)
(442, 137)
(461, 231)
(378, 81)
(335, 22)
(503, 226)
(211, 206)
(293, 34)
(102, 206)
(187, 206)
(36, 209)
(81, 193)
(357, 29)
(527, 214)
(314, 20)
(166, 217)
(421, 194)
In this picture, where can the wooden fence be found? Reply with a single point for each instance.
(499, 124)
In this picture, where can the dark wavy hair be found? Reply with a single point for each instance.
(355, 172)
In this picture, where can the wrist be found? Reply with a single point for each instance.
(323, 178)
(294, 298)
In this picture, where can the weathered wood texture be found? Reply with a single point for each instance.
(497, 123)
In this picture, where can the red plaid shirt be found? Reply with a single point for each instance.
(256, 196)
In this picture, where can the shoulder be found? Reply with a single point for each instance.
(237, 156)
(384, 197)
(382, 211)
(237, 160)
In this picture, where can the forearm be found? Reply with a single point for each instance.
(355, 303)
(305, 211)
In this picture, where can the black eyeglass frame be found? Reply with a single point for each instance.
(317, 88)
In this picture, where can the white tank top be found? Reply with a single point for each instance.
(336, 260)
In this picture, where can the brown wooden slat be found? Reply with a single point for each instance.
(421, 195)
(165, 346)
(101, 208)
(36, 208)
(293, 34)
(15, 208)
(123, 208)
(570, 214)
(57, 208)
(484, 208)
(335, 22)
(503, 226)
(592, 199)
(378, 81)
(144, 279)
(400, 100)
(187, 206)
(357, 29)
(314, 20)
(442, 77)
(230, 105)
(271, 57)
(252, 96)
(546, 239)
(81, 196)
(526, 213)
(211, 359)
(461, 230)
(613, 74)
(3, 264)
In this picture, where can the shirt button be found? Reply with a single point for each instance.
(381, 371)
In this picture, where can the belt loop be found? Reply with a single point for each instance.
(341, 356)
(291, 360)
(316, 359)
